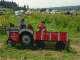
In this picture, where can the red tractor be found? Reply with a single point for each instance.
(28, 38)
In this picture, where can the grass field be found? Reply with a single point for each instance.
(59, 22)
(7, 53)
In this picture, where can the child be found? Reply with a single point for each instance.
(22, 24)
(42, 26)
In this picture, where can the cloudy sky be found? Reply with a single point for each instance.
(46, 3)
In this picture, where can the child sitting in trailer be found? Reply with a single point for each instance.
(42, 27)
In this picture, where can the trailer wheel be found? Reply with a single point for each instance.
(60, 46)
(41, 44)
(26, 39)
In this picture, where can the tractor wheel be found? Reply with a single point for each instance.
(60, 46)
(26, 39)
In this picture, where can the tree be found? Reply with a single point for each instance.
(11, 5)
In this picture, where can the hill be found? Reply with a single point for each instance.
(65, 8)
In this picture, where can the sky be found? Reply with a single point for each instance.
(46, 3)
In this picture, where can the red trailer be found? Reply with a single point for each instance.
(29, 38)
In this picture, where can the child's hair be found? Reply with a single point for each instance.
(43, 22)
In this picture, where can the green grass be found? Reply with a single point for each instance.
(41, 54)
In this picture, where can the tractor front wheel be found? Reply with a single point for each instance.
(10, 43)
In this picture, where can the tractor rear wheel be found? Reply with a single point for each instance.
(26, 39)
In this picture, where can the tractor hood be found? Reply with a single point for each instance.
(27, 30)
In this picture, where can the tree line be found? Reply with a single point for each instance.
(11, 5)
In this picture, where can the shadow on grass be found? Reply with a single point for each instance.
(69, 50)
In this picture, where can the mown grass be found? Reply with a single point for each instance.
(56, 23)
